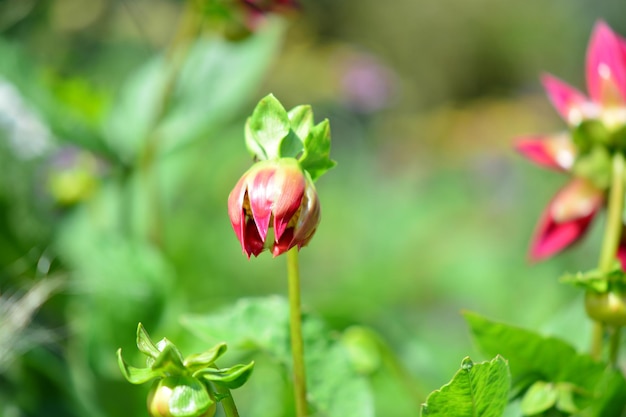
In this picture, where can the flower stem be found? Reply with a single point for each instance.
(295, 321)
(613, 228)
(614, 345)
(610, 243)
(228, 404)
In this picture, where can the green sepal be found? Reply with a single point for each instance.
(590, 133)
(189, 397)
(316, 157)
(595, 165)
(231, 378)
(301, 120)
(170, 359)
(618, 138)
(206, 358)
(598, 281)
(137, 375)
(266, 128)
(145, 344)
(272, 132)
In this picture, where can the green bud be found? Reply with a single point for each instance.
(180, 396)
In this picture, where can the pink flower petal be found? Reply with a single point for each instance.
(568, 101)
(578, 199)
(555, 152)
(552, 236)
(606, 66)
(236, 213)
(621, 249)
(285, 242)
(262, 192)
(291, 182)
(253, 244)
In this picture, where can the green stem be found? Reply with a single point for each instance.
(597, 338)
(228, 404)
(614, 345)
(295, 321)
(610, 243)
(613, 228)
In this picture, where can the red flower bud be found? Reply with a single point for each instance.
(274, 194)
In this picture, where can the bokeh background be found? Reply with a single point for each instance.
(429, 211)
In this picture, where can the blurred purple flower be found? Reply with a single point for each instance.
(366, 84)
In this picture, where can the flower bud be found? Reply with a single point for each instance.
(179, 396)
(276, 194)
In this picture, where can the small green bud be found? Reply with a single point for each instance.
(180, 396)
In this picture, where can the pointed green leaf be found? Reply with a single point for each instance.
(476, 390)
(301, 119)
(316, 157)
(268, 126)
(291, 146)
(231, 378)
(170, 358)
(206, 358)
(550, 359)
(137, 375)
(145, 344)
(189, 398)
(540, 397)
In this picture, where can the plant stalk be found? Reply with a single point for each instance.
(610, 243)
(228, 404)
(295, 321)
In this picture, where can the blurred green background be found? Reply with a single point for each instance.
(113, 204)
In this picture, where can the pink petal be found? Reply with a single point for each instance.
(578, 199)
(606, 66)
(555, 152)
(568, 101)
(252, 241)
(236, 213)
(621, 249)
(261, 192)
(552, 236)
(285, 243)
(291, 182)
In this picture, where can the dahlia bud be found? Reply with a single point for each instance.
(276, 194)
(180, 396)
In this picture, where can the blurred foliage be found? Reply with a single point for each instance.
(428, 211)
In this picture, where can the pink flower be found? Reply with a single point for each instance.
(274, 194)
(569, 214)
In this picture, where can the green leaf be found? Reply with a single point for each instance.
(475, 390)
(597, 280)
(316, 157)
(170, 358)
(206, 358)
(291, 146)
(137, 375)
(145, 344)
(189, 397)
(541, 396)
(533, 357)
(268, 126)
(301, 119)
(336, 389)
(231, 378)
